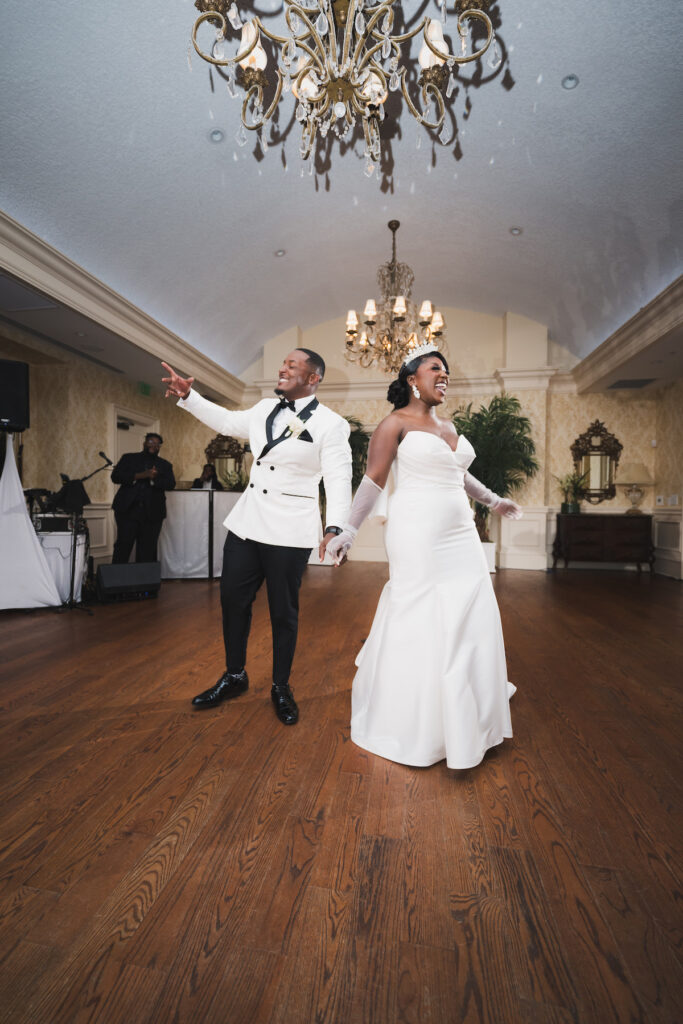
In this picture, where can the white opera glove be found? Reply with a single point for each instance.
(503, 506)
(363, 504)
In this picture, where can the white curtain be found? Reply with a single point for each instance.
(25, 578)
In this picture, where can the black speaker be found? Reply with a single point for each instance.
(131, 581)
(14, 415)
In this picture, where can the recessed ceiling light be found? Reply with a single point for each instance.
(515, 231)
(570, 81)
(280, 252)
(216, 135)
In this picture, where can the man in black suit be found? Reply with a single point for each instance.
(140, 502)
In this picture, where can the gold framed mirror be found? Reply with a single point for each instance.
(596, 455)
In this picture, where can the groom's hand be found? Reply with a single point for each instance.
(323, 548)
(176, 385)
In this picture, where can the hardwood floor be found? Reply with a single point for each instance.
(159, 864)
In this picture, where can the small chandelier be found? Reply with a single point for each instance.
(392, 328)
(340, 60)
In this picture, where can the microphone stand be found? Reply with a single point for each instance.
(77, 499)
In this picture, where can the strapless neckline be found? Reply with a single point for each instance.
(453, 451)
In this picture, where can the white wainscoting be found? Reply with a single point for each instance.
(100, 519)
(668, 542)
(524, 542)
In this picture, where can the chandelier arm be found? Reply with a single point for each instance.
(369, 30)
(429, 88)
(293, 8)
(276, 99)
(348, 28)
(254, 89)
(224, 62)
(466, 15)
(411, 34)
(370, 54)
(270, 35)
(309, 128)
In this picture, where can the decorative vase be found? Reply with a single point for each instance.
(570, 508)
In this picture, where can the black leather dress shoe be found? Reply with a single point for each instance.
(285, 705)
(229, 685)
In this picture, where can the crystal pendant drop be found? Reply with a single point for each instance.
(495, 56)
(386, 48)
(464, 42)
(286, 82)
(369, 168)
(444, 136)
(418, 140)
(230, 83)
(450, 87)
(321, 24)
(443, 12)
(360, 24)
(263, 142)
(339, 109)
(234, 17)
(295, 23)
(394, 82)
(300, 112)
(241, 136)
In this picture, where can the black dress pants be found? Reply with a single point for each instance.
(144, 533)
(246, 564)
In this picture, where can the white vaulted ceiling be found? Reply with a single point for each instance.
(105, 155)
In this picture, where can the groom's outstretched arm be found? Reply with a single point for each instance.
(223, 421)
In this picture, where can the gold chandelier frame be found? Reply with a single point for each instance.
(342, 72)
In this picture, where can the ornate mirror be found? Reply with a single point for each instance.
(596, 454)
(228, 456)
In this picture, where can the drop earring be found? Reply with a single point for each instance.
(415, 390)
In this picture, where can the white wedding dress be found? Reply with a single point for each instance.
(432, 681)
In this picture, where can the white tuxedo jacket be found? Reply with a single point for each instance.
(280, 505)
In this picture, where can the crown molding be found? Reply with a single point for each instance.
(39, 265)
(525, 380)
(663, 314)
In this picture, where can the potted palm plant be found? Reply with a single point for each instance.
(506, 453)
(573, 487)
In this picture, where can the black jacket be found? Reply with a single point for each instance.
(147, 495)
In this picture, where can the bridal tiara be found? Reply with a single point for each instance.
(422, 350)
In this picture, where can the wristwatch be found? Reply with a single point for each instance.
(336, 530)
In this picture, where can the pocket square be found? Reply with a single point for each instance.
(305, 436)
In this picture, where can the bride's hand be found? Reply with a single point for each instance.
(509, 508)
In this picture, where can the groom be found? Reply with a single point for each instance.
(275, 524)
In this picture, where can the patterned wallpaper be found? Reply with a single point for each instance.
(71, 420)
(669, 451)
(630, 416)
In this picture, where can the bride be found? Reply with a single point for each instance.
(431, 681)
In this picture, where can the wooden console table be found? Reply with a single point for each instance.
(588, 537)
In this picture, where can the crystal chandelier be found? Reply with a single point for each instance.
(393, 327)
(341, 60)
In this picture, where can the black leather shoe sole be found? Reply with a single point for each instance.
(227, 687)
(285, 706)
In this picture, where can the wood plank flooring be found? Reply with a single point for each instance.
(159, 864)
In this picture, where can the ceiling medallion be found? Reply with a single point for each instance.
(340, 60)
(393, 328)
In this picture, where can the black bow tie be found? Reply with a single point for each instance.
(287, 403)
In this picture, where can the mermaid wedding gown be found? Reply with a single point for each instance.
(432, 681)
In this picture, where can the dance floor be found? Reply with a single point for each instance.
(159, 864)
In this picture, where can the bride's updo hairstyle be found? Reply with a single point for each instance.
(399, 389)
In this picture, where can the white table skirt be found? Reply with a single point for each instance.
(184, 539)
(57, 548)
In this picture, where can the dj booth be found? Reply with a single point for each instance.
(57, 548)
(193, 534)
